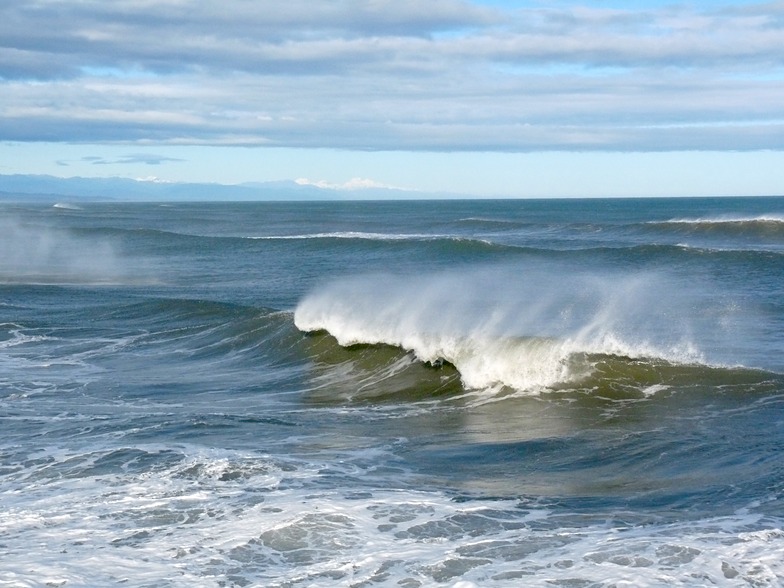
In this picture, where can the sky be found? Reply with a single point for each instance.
(489, 98)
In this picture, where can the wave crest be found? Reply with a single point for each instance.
(726, 220)
(763, 226)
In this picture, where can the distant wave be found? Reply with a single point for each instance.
(369, 236)
(724, 220)
(339, 235)
(738, 249)
(491, 222)
(766, 227)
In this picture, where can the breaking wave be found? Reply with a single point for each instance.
(499, 329)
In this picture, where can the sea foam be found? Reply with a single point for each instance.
(184, 516)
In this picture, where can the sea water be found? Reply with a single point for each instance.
(562, 393)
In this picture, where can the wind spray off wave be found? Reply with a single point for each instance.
(525, 330)
(43, 253)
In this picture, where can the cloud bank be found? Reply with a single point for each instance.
(443, 75)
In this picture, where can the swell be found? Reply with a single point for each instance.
(772, 219)
(157, 238)
(207, 330)
(494, 224)
(766, 226)
(153, 340)
(556, 242)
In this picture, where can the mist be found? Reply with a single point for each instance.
(41, 254)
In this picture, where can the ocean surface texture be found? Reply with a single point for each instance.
(564, 393)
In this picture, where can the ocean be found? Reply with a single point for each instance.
(554, 393)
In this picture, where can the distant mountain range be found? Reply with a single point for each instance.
(44, 188)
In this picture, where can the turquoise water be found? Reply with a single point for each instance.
(471, 393)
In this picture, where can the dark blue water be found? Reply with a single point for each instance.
(471, 393)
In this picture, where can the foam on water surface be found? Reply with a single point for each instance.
(179, 516)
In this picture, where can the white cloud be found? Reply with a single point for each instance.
(352, 184)
(153, 180)
(393, 75)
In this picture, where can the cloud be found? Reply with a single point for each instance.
(392, 75)
(134, 158)
(350, 185)
(131, 159)
(154, 180)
